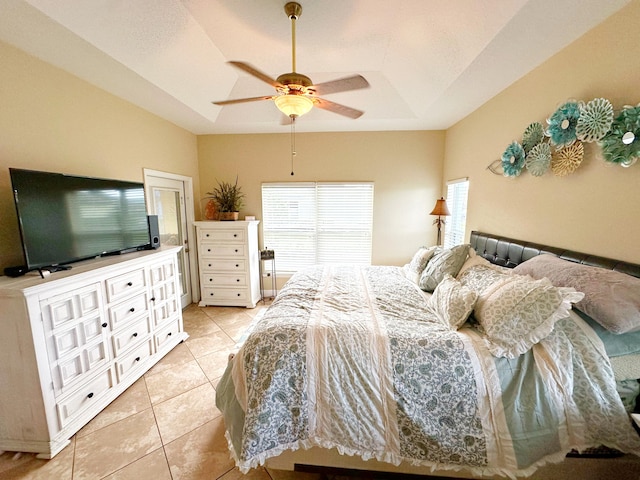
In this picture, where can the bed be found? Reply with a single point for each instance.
(363, 368)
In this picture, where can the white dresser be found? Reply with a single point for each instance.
(74, 341)
(228, 258)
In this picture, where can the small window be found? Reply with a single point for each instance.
(317, 223)
(457, 194)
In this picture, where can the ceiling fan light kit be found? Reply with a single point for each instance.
(293, 105)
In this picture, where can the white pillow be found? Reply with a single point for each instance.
(452, 302)
(517, 312)
(445, 261)
(413, 269)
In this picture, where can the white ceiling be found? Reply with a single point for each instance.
(429, 62)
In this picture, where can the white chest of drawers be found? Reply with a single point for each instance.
(74, 341)
(228, 259)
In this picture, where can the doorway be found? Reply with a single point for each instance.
(170, 197)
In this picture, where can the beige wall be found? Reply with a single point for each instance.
(594, 210)
(405, 166)
(53, 121)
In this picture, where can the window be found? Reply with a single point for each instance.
(457, 193)
(317, 223)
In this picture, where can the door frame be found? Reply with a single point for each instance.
(190, 218)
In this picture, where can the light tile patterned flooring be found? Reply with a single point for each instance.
(166, 425)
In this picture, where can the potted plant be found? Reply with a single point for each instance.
(228, 199)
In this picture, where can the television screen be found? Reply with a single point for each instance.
(65, 218)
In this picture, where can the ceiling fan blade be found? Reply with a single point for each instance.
(337, 108)
(257, 73)
(341, 85)
(242, 100)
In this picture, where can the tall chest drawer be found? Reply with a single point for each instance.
(227, 235)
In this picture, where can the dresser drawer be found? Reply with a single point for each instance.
(135, 359)
(222, 265)
(124, 285)
(83, 398)
(224, 294)
(224, 280)
(124, 312)
(167, 335)
(223, 250)
(226, 235)
(130, 336)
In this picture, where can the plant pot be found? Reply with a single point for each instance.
(227, 216)
(210, 210)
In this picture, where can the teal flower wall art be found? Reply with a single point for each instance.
(622, 144)
(562, 124)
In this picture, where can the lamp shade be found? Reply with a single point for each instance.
(295, 105)
(441, 208)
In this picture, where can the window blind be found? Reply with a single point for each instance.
(317, 223)
(457, 194)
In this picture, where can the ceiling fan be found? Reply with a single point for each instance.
(296, 93)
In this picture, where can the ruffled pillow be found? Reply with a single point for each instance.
(611, 298)
(415, 267)
(452, 302)
(517, 312)
(443, 262)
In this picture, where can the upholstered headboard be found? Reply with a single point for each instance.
(509, 252)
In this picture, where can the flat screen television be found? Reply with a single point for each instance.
(66, 218)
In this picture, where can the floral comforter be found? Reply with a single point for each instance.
(349, 358)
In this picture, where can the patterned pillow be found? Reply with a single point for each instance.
(480, 277)
(446, 261)
(517, 312)
(413, 269)
(452, 302)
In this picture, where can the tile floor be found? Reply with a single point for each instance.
(166, 425)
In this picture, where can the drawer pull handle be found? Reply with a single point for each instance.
(169, 334)
(90, 395)
(132, 309)
(129, 284)
(135, 334)
(104, 325)
(137, 359)
(153, 299)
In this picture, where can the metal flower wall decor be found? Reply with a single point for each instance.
(560, 147)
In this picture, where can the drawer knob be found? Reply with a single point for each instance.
(208, 249)
(153, 299)
(206, 235)
(211, 294)
(211, 279)
(237, 279)
(237, 265)
(90, 395)
(137, 359)
(135, 334)
(235, 235)
(132, 309)
(236, 250)
(209, 264)
(169, 334)
(238, 294)
(129, 284)
(104, 325)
